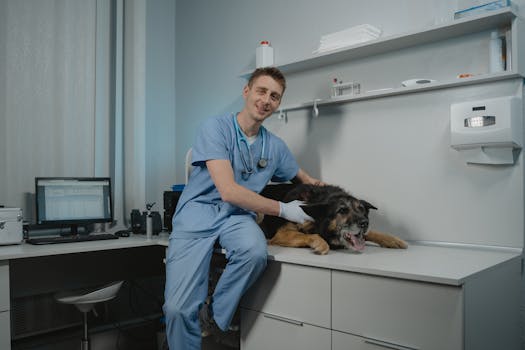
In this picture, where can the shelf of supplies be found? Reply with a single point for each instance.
(480, 79)
(455, 28)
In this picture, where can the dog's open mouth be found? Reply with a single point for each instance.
(355, 241)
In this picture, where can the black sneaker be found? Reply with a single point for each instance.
(207, 323)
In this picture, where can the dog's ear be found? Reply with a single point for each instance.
(368, 205)
(316, 210)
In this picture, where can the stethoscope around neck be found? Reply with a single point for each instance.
(248, 165)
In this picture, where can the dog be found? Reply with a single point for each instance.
(341, 220)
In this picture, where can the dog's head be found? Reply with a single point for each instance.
(344, 220)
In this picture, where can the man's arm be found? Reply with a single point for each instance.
(231, 192)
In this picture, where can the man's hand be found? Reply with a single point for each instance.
(292, 211)
(303, 178)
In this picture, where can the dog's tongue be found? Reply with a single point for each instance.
(358, 243)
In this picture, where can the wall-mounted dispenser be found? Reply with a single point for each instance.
(487, 131)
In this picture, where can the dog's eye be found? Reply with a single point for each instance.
(343, 210)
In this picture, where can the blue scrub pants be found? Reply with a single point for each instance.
(187, 271)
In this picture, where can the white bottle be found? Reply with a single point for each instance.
(496, 53)
(264, 55)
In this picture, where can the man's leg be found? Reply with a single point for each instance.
(187, 268)
(246, 251)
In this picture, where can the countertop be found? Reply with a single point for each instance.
(449, 265)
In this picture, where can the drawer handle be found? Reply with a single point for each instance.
(282, 319)
(387, 345)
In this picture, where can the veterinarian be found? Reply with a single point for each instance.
(234, 157)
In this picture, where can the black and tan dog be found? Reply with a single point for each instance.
(341, 221)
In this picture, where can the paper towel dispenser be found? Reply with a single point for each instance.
(487, 131)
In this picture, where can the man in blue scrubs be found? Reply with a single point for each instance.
(234, 157)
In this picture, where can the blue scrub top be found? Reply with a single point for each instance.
(200, 211)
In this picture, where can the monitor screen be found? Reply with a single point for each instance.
(73, 201)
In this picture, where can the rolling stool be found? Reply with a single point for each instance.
(85, 301)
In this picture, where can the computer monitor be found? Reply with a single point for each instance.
(73, 201)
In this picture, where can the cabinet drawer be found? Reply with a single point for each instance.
(296, 292)
(414, 314)
(343, 341)
(5, 331)
(4, 286)
(260, 331)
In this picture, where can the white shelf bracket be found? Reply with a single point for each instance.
(315, 110)
(282, 115)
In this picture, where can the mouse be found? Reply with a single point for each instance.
(122, 233)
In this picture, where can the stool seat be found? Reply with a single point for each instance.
(88, 297)
(85, 301)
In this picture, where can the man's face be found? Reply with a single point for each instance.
(263, 97)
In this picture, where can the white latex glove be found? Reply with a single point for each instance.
(292, 211)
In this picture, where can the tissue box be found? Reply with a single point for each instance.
(473, 8)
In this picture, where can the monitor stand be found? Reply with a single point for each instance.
(74, 230)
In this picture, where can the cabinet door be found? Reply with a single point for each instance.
(260, 331)
(412, 314)
(4, 286)
(292, 291)
(5, 331)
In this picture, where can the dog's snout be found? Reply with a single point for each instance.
(363, 223)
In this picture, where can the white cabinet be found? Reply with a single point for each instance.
(408, 314)
(424, 298)
(5, 331)
(287, 308)
(261, 331)
(294, 292)
(5, 322)
(4, 286)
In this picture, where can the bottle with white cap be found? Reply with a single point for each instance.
(264, 55)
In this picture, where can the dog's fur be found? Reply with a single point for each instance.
(341, 221)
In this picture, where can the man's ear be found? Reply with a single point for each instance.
(368, 205)
(245, 90)
(317, 210)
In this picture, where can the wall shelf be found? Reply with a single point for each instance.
(469, 25)
(485, 78)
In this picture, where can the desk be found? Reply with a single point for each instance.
(27, 269)
(482, 286)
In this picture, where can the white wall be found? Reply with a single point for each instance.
(392, 151)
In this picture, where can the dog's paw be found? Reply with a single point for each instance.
(393, 242)
(319, 245)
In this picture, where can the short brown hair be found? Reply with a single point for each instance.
(272, 72)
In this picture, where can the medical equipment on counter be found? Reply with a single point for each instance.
(11, 226)
(344, 89)
(487, 131)
(263, 161)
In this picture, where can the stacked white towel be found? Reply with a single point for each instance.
(348, 37)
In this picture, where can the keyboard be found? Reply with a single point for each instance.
(71, 239)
